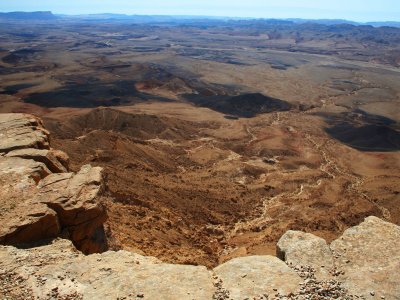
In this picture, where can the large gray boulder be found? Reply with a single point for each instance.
(368, 256)
(365, 260)
(256, 276)
(300, 248)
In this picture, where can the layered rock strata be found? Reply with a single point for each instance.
(365, 259)
(39, 198)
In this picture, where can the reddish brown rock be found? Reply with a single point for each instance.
(21, 131)
(74, 198)
(54, 160)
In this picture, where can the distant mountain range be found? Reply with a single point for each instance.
(20, 15)
(342, 21)
(47, 15)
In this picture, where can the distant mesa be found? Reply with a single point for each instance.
(36, 15)
(195, 20)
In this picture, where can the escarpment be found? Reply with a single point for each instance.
(40, 199)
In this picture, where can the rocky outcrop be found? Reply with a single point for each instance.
(22, 131)
(293, 245)
(39, 199)
(368, 258)
(255, 276)
(58, 271)
(365, 264)
(365, 259)
(55, 160)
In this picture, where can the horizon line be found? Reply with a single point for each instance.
(204, 16)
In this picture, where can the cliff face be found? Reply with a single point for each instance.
(41, 200)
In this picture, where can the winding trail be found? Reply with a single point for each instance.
(330, 170)
(253, 137)
(356, 181)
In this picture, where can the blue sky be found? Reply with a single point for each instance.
(357, 10)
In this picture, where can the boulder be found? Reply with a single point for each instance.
(256, 276)
(75, 199)
(56, 161)
(365, 260)
(368, 259)
(300, 248)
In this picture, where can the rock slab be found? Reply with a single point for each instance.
(368, 256)
(256, 276)
(57, 271)
(300, 248)
(365, 259)
(364, 268)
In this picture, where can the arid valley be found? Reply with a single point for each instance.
(215, 137)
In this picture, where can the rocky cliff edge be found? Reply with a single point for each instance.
(39, 198)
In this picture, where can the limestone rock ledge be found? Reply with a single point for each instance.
(365, 263)
(57, 271)
(39, 198)
(365, 259)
